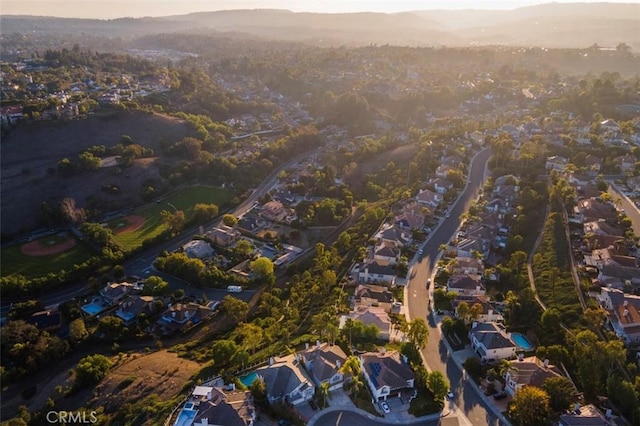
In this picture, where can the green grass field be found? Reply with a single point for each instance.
(14, 262)
(183, 200)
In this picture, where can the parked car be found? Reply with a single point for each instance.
(449, 394)
(499, 396)
(428, 282)
(420, 251)
(385, 407)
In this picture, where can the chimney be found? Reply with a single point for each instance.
(520, 357)
(306, 345)
(576, 408)
(625, 313)
(546, 363)
(625, 303)
(271, 360)
(204, 421)
(384, 350)
(338, 364)
(317, 343)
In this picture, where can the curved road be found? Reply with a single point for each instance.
(436, 354)
(352, 418)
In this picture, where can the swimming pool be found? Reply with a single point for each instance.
(92, 308)
(522, 341)
(186, 415)
(247, 379)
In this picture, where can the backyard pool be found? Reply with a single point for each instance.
(247, 379)
(96, 306)
(522, 342)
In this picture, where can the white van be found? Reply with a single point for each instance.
(234, 289)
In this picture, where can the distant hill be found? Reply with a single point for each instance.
(550, 25)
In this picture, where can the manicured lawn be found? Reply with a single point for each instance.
(182, 200)
(14, 262)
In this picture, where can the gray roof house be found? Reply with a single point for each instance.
(491, 342)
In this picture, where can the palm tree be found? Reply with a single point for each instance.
(506, 367)
(323, 393)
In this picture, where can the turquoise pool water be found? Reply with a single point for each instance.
(92, 308)
(522, 341)
(247, 379)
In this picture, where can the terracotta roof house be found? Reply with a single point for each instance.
(488, 314)
(286, 380)
(394, 235)
(441, 185)
(323, 362)
(372, 315)
(529, 372)
(624, 313)
(387, 252)
(223, 236)
(386, 373)
(491, 342)
(466, 285)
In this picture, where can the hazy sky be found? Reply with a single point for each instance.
(107, 9)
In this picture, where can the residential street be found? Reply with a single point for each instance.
(435, 354)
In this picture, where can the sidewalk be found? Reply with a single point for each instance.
(407, 420)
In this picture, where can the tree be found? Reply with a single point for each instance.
(244, 247)
(90, 370)
(235, 309)
(155, 286)
(418, 333)
(223, 352)
(24, 310)
(323, 393)
(530, 407)
(475, 311)
(258, 390)
(473, 366)
(560, 391)
(249, 336)
(262, 268)
(72, 213)
(77, 330)
(463, 311)
(204, 212)
(174, 221)
(448, 325)
(112, 327)
(229, 220)
(437, 385)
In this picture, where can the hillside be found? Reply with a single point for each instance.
(33, 148)
(549, 25)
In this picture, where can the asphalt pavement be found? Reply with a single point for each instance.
(467, 399)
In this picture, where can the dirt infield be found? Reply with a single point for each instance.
(130, 223)
(36, 248)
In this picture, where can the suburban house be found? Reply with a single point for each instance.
(556, 163)
(392, 234)
(429, 198)
(113, 293)
(223, 236)
(626, 163)
(491, 342)
(587, 415)
(609, 125)
(208, 406)
(372, 315)
(441, 185)
(623, 313)
(528, 372)
(443, 169)
(488, 314)
(132, 306)
(386, 373)
(197, 249)
(180, 315)
(469, 245)
(412, 216)
(466, 285)
(592, 164)
(376, 272)
(386, 253)
(372, 295)
(286, 380)
(466, 266)
(275, 211)
(323, 362)
(250, 223)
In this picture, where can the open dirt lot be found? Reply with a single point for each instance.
(32, 148)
